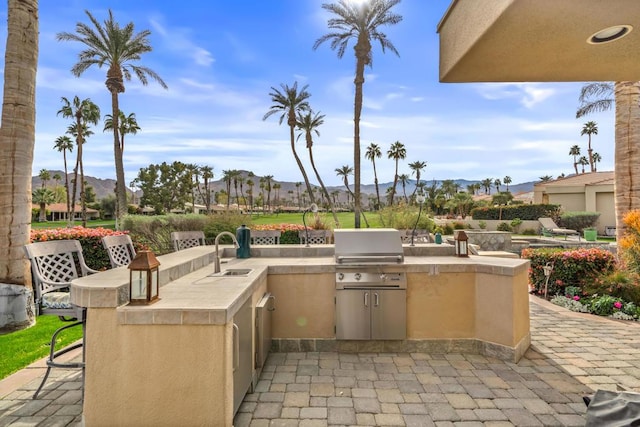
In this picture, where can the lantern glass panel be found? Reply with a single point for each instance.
(138, 284)
(154, 283)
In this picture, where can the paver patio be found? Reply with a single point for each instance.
(571, 354)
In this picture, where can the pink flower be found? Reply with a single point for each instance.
(617, 305)
(576, 298)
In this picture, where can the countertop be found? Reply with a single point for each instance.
(191, 294)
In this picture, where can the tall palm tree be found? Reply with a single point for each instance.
(83, 112)
(360, 22)
(404, 179)
(298, 185)
(250, 184)
(575, 152)
(44, 176)
(546, 178)
(43, 197)
(64, 144)
(396, 152)
(126, 125)
(416, 169)
(583, 161)
(373, 152)
(268, 180)
(117, 48)
(497, 183)
(590, 128)
(596, 159)
(18, 137)
(602, 96)
(506, 181)
(486, 184)
(344, 173)
(288, 103)
(309, 124)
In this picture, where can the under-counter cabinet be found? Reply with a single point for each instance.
(242, 354)
(371, 313)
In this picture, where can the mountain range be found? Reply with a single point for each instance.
(104, 187)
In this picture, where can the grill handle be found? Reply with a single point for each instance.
(370, 259)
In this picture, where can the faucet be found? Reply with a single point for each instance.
(216, 268)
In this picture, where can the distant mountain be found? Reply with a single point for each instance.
(105, 187)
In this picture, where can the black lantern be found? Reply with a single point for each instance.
(143, 279)
(462, 244)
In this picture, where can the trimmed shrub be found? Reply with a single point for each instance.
(578, 220)
(529, 232)
(524, 212)
(503, 226)
(289, 234)
(95, 255)
(403, 217)
(576, 267)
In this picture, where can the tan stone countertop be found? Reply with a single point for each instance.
(191, 293)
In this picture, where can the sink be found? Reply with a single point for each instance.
(234, 272)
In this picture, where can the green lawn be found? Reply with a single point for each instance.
(21, 348)
(106, 223)
(347, 219)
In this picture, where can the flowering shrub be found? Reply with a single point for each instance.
(570, 303)
(289, 231)
(94, 253)
(629, 245)
(574, 267)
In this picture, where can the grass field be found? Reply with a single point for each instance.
(21, 348)
(347, 219)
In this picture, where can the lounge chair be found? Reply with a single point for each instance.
(550, 227)
(187, 239)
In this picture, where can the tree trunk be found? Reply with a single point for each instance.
(121, 189)
(66, 188)
(295, 154)
(375, 181)
(17, 139)
(324, 190)
(357, 107)
(627, 152)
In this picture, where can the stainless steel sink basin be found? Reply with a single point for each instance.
(234, 272)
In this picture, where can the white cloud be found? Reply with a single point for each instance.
(527, 94)
(179, 41)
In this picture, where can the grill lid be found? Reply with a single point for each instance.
(358, 246)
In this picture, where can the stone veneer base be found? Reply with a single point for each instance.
(433, 346)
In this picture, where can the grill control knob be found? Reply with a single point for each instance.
(357, 276)
(340, 276)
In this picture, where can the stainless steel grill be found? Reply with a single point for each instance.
(370, 299)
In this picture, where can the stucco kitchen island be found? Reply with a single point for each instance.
(172, 362)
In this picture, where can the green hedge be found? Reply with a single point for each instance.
(578, 220)
(524, 212)
(575, 267)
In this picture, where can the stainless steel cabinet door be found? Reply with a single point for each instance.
(242, 355)
(388, 314)
(353, 314)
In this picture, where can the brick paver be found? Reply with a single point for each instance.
(571, 355)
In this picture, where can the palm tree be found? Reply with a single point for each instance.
(227, 175)
(298, 185)
(64, 144)
(44, 176)
(289, 103)
(416, 169)
(583, 161)
(359, 22)
(373, 152)
(590, 128)
(344, 173)
(309, 123)
(497, 183)
(43, 197)
(575, 152)
(268, 179)
(117, 48)
(396, 152)
(404, 179)
(546, 178)
(601, 96)
(84, 113)
(18, 137)
(506, 181)
(596, 159)
(126, 125)
(486, 184)
(250, 184)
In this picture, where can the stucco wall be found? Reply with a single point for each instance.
(189, 373)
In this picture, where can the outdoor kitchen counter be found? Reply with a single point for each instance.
(190, 293)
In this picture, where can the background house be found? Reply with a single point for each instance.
(593, 192)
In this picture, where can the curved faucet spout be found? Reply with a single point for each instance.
(216, 268)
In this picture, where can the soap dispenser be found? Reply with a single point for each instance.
(243, 236)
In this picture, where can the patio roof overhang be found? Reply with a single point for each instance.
(538, 41)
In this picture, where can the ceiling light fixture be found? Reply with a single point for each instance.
(610, 34)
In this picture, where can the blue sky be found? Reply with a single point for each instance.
(220, 59)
